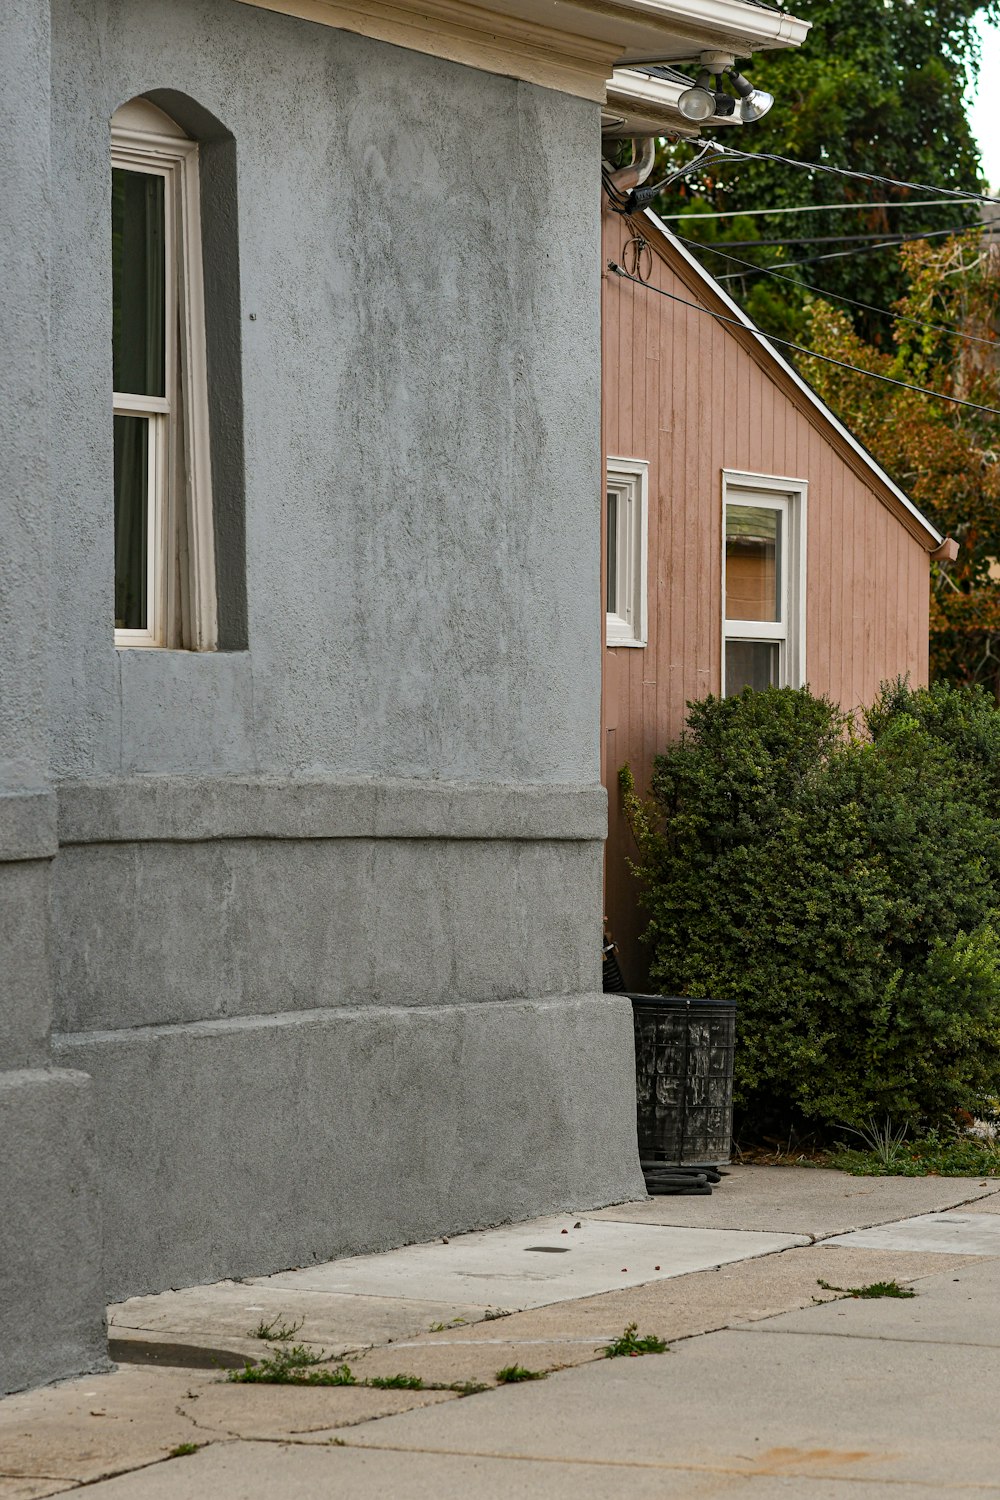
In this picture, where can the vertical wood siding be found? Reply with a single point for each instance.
(682, 392)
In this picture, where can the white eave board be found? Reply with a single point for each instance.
(736, 312)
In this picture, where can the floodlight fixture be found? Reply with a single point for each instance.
(754, 103)
(698, 102)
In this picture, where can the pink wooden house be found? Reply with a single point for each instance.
(748, 537)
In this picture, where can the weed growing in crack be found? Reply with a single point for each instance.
(512, 1374)
(298, 1366)
(183, 1449)
(275, 1332)
(291, 1367)
(630, 1344)
(874, 1289)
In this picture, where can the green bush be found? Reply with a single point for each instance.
(842, 884)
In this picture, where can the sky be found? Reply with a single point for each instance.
(985, 112)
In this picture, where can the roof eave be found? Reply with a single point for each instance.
(734, 311)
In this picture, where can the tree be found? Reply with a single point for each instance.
(877, 87)
(946, 457)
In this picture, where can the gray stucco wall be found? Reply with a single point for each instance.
(51, 1295)
(421, 364)
(326, 907)
(343, 1131)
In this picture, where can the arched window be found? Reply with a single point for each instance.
(164, 545)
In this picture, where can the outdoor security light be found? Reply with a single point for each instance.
(698, 103)
(754, 103)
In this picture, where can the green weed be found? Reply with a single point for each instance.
(873, 1289)
(293, 1366)
(275, 1332)
(933, 1155)
(183, 1449)
(395, 1382)
(628, 1345)
(511, 1374)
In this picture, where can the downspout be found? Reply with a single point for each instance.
(638, 168)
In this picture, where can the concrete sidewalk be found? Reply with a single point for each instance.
(763, 1393)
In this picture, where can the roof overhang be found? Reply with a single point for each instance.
(571, 45)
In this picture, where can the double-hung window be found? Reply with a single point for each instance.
(164, 548)
(763, 582)
(626, 500)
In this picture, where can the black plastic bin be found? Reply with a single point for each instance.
(684, 1088)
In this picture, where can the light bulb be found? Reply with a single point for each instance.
(698, 102)
(754, 103)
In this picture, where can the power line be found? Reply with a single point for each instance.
(818, 166)
(773, 338)
(811, 260)
(883, 236)
(808, 286)
(807, 208)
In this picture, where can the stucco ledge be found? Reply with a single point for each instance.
(194, 809)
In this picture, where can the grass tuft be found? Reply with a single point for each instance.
(293, 1366)
(395, 1383)
(873, 1289)
(183, 1449)
(275, 1332)
(629, 1344)
(933, 1155)
(512, 1374)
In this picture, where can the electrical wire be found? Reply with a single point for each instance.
(773, 338)
(883, 236)
(807, 208)
(811, 260)
(818, 166)
(808, 286)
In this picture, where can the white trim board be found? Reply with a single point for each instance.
(807, 391)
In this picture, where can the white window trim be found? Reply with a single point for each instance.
(631, 477)
(789, 496)
(180, 612)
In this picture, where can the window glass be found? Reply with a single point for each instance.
(612, 552)
(753, 563)
(131, 521)
(751, 664)
(138, 282)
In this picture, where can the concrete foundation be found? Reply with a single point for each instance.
(245, 1146)
(52, 1285)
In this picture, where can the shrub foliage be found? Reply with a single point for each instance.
(841, 882)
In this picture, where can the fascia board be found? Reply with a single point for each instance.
(571, 45)
(734, 310)
(752, 26)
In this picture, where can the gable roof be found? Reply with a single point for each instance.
(760, 347)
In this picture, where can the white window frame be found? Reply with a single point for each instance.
(788, 497)
(628, 478)
(181, 592)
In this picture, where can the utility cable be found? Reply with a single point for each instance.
(808, 208)
(921, 390)
(811, 260)
(808, 286)
(818, 166)
(883, 236)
